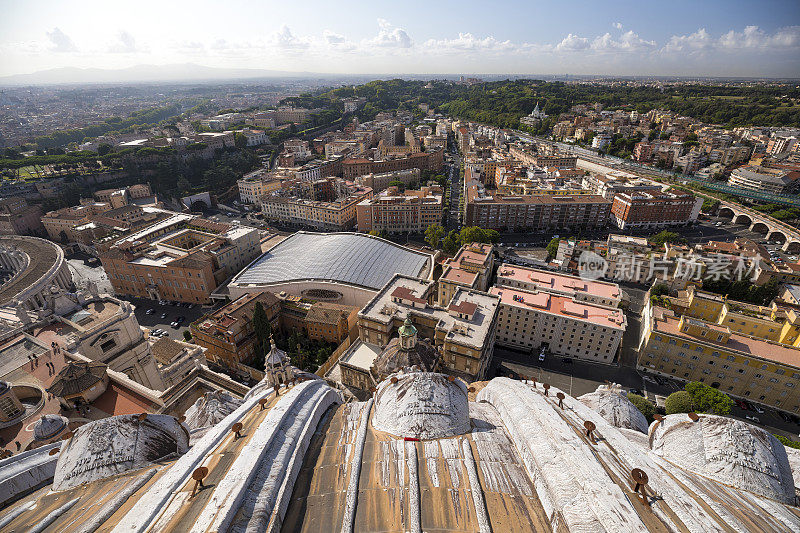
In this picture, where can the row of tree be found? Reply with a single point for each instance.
(438, 237)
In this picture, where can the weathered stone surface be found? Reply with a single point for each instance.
(421, 405)
(615, 408)
(727, 450)
(116, 445)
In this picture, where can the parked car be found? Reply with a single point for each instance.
(758, 409)
(174, 324)
(753, 419)
(150, 311)
(180, 319)
(541, 355)
(163, 316)
(636, 391)
(784, 416)
(742, 405)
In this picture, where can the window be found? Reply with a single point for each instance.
(108, 345)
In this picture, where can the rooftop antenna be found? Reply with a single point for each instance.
(198, 475)
(590, 427)
(560, 397)
(640, 479)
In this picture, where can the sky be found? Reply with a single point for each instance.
(677, 38)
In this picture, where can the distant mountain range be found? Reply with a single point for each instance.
(150, 73)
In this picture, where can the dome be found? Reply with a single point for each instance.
(728, 451)
(4, 386)
(118, 444)
(49, 426)
(423, 405)
(407, 329)
(276, 356)
(421, 356)
(615, 408)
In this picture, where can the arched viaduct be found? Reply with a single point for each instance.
(773, 230)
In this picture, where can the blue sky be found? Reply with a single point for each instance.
(702, 37)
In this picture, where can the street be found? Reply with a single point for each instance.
(154, 321)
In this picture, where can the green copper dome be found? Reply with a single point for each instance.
(407, 329)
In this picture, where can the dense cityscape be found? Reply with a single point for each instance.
(233, 301)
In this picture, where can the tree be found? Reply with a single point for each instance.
(187, 335)
(663, 237)
(434, 234)
(678, 402)
(104, 149)
(399, 184)
(552, 247)
(240, 140)
(261, 326)
(708, 399)
(644, 405)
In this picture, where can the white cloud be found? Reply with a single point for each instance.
(628, 42)
(126, 44)
(468, 42)
(617, 25)
(60, 41)
(286, 40)
(755, 37)
(697, 41)
(390, 36)
(333, 38)
(572, 43)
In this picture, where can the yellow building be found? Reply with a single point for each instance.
(696, 350)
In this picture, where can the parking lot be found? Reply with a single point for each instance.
(154, 316)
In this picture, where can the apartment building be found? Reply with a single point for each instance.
(379, 182)
(182, 264)
(255, 185)
(395, 212)
(228, 334)
(433, 161)
(654, 209)
(559, 324)
(337, 215)
(763, 179)
(506, 212)
(463, 330)
(573, 287)
(747, 367)
(470, 268)
(19, 218)
(615, 182)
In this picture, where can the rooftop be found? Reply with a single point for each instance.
(562, 283)
(667, 322)
(351, 258)
(561, 306)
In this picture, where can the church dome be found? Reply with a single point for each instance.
(421, 356)
(422, 405)
(728, 451)
(210, 409)
(49, 426)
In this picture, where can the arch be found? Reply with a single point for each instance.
(743, 219)
(726, 212)
(777, 236)
(760, 227)
(793, 247)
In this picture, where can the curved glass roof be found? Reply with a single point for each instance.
(352, 258)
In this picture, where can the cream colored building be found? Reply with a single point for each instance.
(339, 215)
(533, 320)
(747, 367)
(395, 212)
(582, 290)
(471, 268)
(259, 183)
(463, 330)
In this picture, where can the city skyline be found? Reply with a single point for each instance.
(719, 39)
